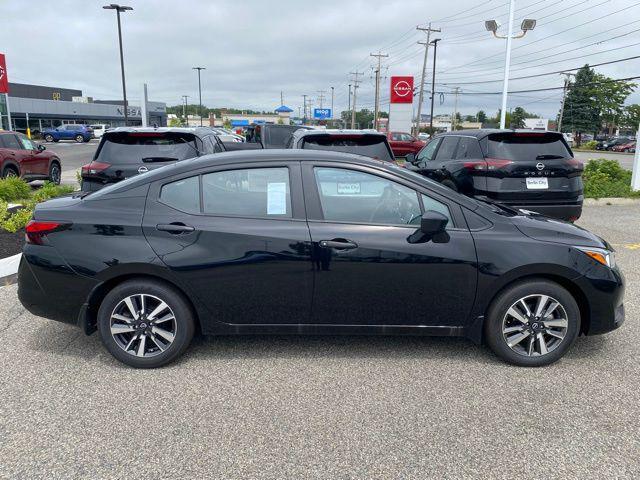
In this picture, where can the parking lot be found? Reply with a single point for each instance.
(323, 407)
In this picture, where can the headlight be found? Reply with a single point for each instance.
(600, 255)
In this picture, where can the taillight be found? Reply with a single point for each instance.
(36, 230)
(575, 163)
(94, 167)
(489, 164)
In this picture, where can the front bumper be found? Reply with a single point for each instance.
(604, 292)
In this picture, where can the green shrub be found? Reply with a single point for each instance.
(14, 188)
(606, 178)
(590, 145)
(17, 220)
(50, 190)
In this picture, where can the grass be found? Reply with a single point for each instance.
(16, 190)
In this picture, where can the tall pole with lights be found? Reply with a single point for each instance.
(492, 26)
(118, 9)
(433, 82)
(199, 69)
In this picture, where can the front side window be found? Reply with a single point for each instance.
(357, 197)
(182, 194)
(27, 144)
(426, 154)
(254, 192)
(430, 204)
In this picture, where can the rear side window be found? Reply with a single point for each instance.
(132, 148)
(447, 148)
(182, 195)
(374, 146)
(9, 141)
(255, 192)
(468, 148)
(526, 147)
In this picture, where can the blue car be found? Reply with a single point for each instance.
(77, 132)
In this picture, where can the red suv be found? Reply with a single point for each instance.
(404, 143)
(20, 157)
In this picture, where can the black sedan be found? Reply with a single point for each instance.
(310, 242)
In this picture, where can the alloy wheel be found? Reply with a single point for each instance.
(55, 174)
(535, 325)
(10, 172)
(143, 325)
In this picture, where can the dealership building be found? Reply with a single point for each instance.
(49, 107)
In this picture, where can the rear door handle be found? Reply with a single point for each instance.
(175, 228)
(338, 244)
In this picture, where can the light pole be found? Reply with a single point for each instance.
(184, 109)
(433, 82)
(199, 91)
(118, 9)
(332, 102)
(492, 26)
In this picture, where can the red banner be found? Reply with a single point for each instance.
(4, 80)
(401, 89)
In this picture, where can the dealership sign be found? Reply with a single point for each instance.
(402, 89)
(321, 113)
(4, 80)
(131, 111)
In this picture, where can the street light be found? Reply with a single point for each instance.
(492, 26)
(199, 91)
(118, 9)
(434, 42)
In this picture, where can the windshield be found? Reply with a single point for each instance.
(132, 147)
(374, 146)
(526, 147)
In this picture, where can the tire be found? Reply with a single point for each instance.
(48, 138)
(450, 184)
(55, 173)
(79, 138)
(157, 348)
(10, 171)
(522, 353)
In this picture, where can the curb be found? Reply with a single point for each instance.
(610, 201)
(9, 269)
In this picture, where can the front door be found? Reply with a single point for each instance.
(238, 239)
(367, 273)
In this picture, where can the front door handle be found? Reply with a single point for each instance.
(338, 244)
(175, 228)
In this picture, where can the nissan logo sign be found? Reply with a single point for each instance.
(540, 166)
(143, 169)
(402, 88)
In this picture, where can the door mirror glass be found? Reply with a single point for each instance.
(410, 157)
(41, 148)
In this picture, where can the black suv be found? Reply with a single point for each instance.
(127, 151)
(532, 170)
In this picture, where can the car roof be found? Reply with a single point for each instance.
(194, 130)
(483, 132)
(240, 157)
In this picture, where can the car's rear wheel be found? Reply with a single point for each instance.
(10, 172)
(55, 173)
(145, 323)
(48, 138)
(79, 138)
(532, 323)
(450, 184)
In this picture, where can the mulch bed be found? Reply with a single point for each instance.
(11, 243)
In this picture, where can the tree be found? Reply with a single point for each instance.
(364, 117)
(581, 109)
(630, 117)
(175, 122)
(517, 117)
(611, 95)
(481, 116)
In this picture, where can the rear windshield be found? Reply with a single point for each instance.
(127, 147)
(526, 146)
(373, 146)
(277, 136)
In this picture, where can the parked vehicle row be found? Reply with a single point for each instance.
(629, 147)
(77, 132)
(611, 144)
(22, 157)
(301, 241)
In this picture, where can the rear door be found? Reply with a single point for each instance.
(536, 166)
(237, 237)
(367, 273)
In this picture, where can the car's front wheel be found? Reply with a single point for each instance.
(532, 323)
(55, 174)
(79, 138)
(48, 138)
(145, 323)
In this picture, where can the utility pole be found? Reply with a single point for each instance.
(424, 72)
(199, 91)
(118, 9)
(184, 108)
(507, 65)
(454, 118)
(281, 98)
(567, 81)
(332, 102)
(321, 96)
(349, 108)
(376, 109)
(433, 82)
(304, 109)
(355, 92)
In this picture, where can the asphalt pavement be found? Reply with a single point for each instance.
(285, 407)
(624, 159)
(73, 156)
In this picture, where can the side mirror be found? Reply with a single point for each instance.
(41, 148)
(432, 227)
(410, 157)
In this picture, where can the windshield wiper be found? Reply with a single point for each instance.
(549, 157)
(159, 159)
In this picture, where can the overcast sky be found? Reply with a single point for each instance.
(254, 49)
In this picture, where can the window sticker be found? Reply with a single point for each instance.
(277, 198)
(349, 188)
